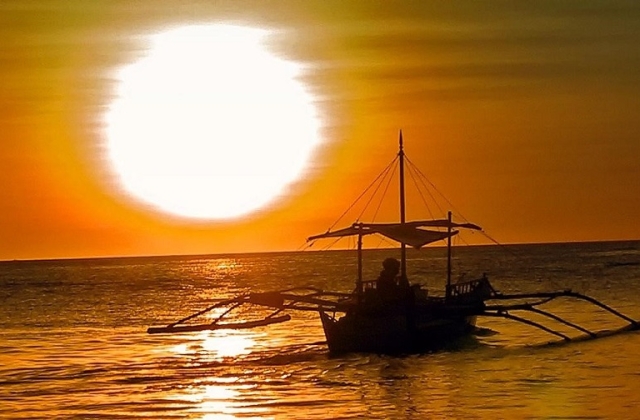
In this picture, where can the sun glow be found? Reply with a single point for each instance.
(209, 124)
(227, 343)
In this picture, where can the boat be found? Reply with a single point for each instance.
(404, 318)
(390, 315)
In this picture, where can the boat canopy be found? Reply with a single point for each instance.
(408, 233)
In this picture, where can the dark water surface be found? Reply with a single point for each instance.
(73, 342)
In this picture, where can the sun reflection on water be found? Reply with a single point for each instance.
(223, 265)
(219, 397)
(226, 264)
(216, 345)
(227, 343)
(224, 401)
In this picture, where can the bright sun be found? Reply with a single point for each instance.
(209, 124)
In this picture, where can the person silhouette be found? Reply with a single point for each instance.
(387, 281)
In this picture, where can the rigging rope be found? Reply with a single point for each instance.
(422, 183)
(386, 188)
(424, 178)
(413, 178)
(385, 170)
(382, 174)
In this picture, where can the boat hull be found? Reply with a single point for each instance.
(396, 333)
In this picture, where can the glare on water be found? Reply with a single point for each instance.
(74, 342)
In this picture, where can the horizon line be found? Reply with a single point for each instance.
(220, 254)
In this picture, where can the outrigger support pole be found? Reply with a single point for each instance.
(528, 322)
(569, 293)
(210, 308)
(313, 299)
(563, 321)
(503, 312)
(530, 307)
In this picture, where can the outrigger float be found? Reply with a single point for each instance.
(405, 318)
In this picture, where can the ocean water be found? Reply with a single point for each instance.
(73, 342)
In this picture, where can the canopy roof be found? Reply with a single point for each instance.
(408, 233)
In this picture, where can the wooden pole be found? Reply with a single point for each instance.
(359, 290)
(448, 291)
(403, 247)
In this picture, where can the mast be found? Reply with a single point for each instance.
(403, 248)
(448, 290)
(359, 290)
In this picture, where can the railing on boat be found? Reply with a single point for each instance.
(473, 290)
(369, 284)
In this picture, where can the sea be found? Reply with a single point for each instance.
(74, 342)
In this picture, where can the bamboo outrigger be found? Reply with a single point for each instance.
(403, 319)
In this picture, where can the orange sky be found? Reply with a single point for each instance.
(524, 115)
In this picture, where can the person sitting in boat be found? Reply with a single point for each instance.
(387, 283)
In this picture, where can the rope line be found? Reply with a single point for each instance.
(424, 200)
(384, 193)
(424, 177)
(385, 170)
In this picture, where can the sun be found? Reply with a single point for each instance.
(209, 123)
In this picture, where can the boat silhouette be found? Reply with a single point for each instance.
(391, 315)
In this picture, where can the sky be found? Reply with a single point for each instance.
(524, 114)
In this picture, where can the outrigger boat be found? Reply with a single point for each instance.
(405, 318)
